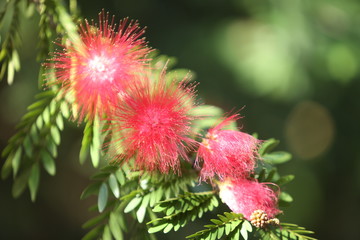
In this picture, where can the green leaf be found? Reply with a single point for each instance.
(11, 73)
(114, 186)
(115, 227)
(55, 133)
(46, 116)
(38, 104)
(34, 181)
(285, 197)
(48, 162)
(120, 176)
(60, 122)
(234, 224)
(261, 176)
(140, 214)
(100, 176)
(93, 233)
(277, 157)
(20, 184)
(34, 134)
(271, 175)
(159, 208)
(86, 141)
(157, 228)
(16, 161)
(133, 204)
(268, 145)
(65, 109)
(91, 189)
(106, 233)
(216, 221)
(228, 225)
(220, 232)
(39, 123)
(209, 116)
(245, 229)
(236, 235)
(168, 228)
(15, 60)
(95, 155)
(28, 146)
(222, 218)
(67, 23)
(53, 107)
(285, 179)
(103, 197)
(228, 215)
(292, 231)
(96, 142)
(52, 148)
(184, 208)
(207, 110)
(94, 221)
(247, 225)
(6, 168)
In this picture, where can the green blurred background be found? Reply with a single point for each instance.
(293, 64)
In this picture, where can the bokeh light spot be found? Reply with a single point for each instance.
(342, 63)
(260, 56)
(309, 130)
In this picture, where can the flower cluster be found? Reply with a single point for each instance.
(154, 124)
(102, 65)
(247, 196)
(108, 76)
(227, 153)
(231, 156)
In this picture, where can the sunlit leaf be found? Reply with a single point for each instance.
(103, 197)
(114, 186)
(133, 204)
(277, 157)
(48, 162)
(268, 145)
(115, 227)
(34, 180)
(16, 161)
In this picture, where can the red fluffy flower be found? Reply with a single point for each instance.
(154, 123)
(246, 196)
(227, 153)
(101, 65)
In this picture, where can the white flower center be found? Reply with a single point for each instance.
(102, 68)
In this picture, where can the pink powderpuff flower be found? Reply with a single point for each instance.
(101, 65)
(154, 123)
(227, 153)
(247, 196)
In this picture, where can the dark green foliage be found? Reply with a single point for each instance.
(9, 57)
(38, 133)
(266, 171)
(234, 226)
(285, 231)
(181, 210)
(110, 222)
(267, 146)
(293, 231)
(34, 144)
(92, 142)
(156, 187)
(227, 226)
(54, 21)
(127, 194)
